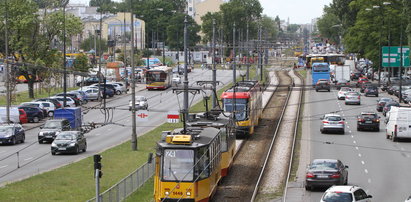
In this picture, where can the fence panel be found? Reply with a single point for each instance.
(127, 185)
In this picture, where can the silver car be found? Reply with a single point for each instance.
(353, 98)
(141, 103)
(92, 94)
(332, 123)
(343, 91)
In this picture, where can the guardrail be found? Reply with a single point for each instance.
(127, 185)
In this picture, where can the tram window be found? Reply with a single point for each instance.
(178, 165)
(202, 167)
(224, 140)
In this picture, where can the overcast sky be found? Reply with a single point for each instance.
(299, 11)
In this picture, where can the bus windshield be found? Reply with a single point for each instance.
(178, 165)
(155, 77)
(240, 108)
(321, 68)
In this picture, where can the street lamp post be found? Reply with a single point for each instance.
(214, 99)
(6, 41)
(64, 54)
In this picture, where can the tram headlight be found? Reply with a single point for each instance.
(167, 193)
(188, 193)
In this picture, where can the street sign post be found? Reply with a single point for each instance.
(393, 54)
(142, 115)
(173, 117)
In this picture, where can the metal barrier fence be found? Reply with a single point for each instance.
(127, 185)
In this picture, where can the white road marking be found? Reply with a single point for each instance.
(352, 136)
(402, 149)
(28, 158)
(348, 126)
(362, 162)
(408, 156)
(359, 155)
(366, 171)
(3, 166)
(97, 134)
(354, 142)
(349, 131)
(369, 180)
(356, 148)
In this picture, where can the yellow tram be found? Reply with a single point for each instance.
(189, 165)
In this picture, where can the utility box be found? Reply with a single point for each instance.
(72, 114)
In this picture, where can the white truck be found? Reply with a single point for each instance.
(14, 115)
(342, 73)
(398, 123)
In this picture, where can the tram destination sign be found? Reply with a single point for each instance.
(391, 56)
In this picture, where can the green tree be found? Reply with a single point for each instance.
(329, 26)
(88, 44)
(81, 63)
(270, 28)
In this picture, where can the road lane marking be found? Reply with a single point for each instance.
(402, 149)
(97, 134)
(362, 162)
(366, 171)
(352, 136)
(348, 126)
(28, 158)
(3, 166)
(349, 131)
(355, 142)
(359, 155)
(356, 148)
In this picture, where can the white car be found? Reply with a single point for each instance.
(353, 98)
(49, 106)
(141, 103)
(119, 86)
(343, 91)
(346, 193)
(69, 101)
(37, 104)
(176, 80)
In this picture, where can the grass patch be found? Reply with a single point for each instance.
(144, 193)
(75, 182)
(303, 73)
(24, 96)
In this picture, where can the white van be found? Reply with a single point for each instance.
(398, 123)
(14, 115)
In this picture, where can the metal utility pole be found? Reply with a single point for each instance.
(248, 57)
(99, 59)
(401, 62)
(6, 39)
(124, 50)
(260, 65)
(234, 65)
(164, 44)
(64, 55)
(133, 90)
(185, 110)
(214, 99)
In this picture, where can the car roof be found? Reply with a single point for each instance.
(325, 160)
(343, 188)
(332, 115)
(368, 113)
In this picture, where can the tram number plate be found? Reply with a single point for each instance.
(322, 176)
(177, 193)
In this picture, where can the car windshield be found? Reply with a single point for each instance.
(333, 118)
(6, 129)
(324, 165)
(337, 197)
(353, 93)
(368, 116)
(140, 99)
(178, 165)
(66, 136)
(52, 124)
(385, 99)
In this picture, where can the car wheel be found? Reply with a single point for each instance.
(50, 114)
(308, 188)
(377, 129)
(23, 139)
(393, 138)
(376, 95)
(316, 90)
(118, 92)
(328, 90)
(358, 129)
(387, 136)
(53, 153)
(85, 148)
(36, 119)
(85, 101)
(77, 150)
(346, 180)
(342, 132)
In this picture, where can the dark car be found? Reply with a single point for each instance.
(364, 85)
(371, 90)
(54, 101)
(74, 96)
(69, 142)
(34, 114)
(325, 173)
(107, 92)
(51, 128)
(381, 103)
(388, 105)
(89, 81)
(356, 75)
(342, 83)
(12, 134)
(368, 120)
(392, 89)
(322, 84)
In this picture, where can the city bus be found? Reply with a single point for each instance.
(320, 70)
(159, 78)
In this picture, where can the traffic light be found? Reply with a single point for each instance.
(97, 164)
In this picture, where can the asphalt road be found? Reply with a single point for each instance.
(36, 158)
(376, 164)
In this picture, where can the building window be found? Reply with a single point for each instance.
(190, 9)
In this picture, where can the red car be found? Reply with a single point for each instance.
(362, 80)
(23, 116)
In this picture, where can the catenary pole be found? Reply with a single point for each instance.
(133, 89)
(214, 99)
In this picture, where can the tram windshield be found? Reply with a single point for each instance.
(240, 108)
(178, 165)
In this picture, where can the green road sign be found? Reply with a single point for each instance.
(393, 53)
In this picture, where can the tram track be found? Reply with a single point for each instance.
(247, 170)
